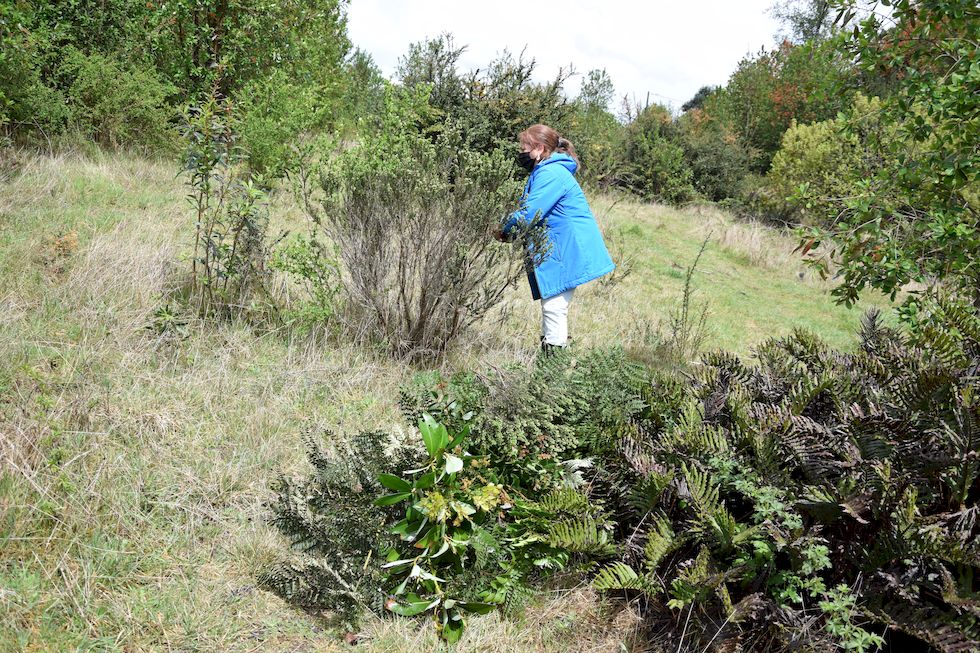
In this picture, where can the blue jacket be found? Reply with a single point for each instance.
(578, 254)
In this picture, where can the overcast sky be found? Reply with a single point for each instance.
(668, 49)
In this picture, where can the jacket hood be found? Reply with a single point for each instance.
(561, 159)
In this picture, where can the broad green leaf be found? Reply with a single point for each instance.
(398, 563)
(392, 499)
(453, 630)
(477, 607)
(411, 609)
(434, 435)
(442, 549)
(395, 483)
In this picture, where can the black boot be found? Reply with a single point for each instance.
(548, 349)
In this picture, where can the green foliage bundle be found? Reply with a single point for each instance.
(448, 538)
(24, 97)
(275, 113)
(717, 159)
(819, 165)
(654, 165)
(488, 107)
(333, 525)
(598, 137)
(849, 482)
(118, 105)
(117, 70)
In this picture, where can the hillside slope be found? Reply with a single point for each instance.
(134, 465)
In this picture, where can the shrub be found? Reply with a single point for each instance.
(313, 264)
(119, 105)
(718, 161)
(654, 163)
(490, 106)
(332, 523)
(916, 218)
(818, 162)
(412, 218)
(530, 418)
(230, 214)
(751, 494)
(25, 100)
(599, 143)
(819, 165)
(274, 112)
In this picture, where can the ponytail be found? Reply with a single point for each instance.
(565, 146)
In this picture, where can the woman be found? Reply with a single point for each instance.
(576, 252)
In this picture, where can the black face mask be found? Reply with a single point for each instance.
(525, 161)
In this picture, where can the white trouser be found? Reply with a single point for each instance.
(554, 318)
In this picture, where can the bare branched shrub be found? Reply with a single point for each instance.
(412, 217)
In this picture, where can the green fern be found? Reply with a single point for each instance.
(621, 577)
(661, 540)
(582, 536)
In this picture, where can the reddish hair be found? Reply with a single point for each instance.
(548, 138)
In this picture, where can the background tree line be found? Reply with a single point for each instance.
(861, 124)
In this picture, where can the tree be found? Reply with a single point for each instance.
(597, 90)
(918, 218)
(803, 20)
(699, 98)
(488, 106)
(806, 83)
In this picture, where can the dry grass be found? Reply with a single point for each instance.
(134, 464)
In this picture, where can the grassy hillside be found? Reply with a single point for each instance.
(134, 466)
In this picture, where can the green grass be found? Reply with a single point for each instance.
(134, 467)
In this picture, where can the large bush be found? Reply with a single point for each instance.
(97, 56)
(819, 165)
(916, 217)
(274, 113)
(717, 159)
(119, 105)
(412, 215)
(596, 134)
(447, 525)
(655, 167)
(489, 107)
(26, 101)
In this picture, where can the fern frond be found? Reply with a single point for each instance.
(621, 577)
(582, 536)
(660, 541)
(646, 495)
(566, 501)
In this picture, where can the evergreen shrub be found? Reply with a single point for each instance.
(119, 105)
